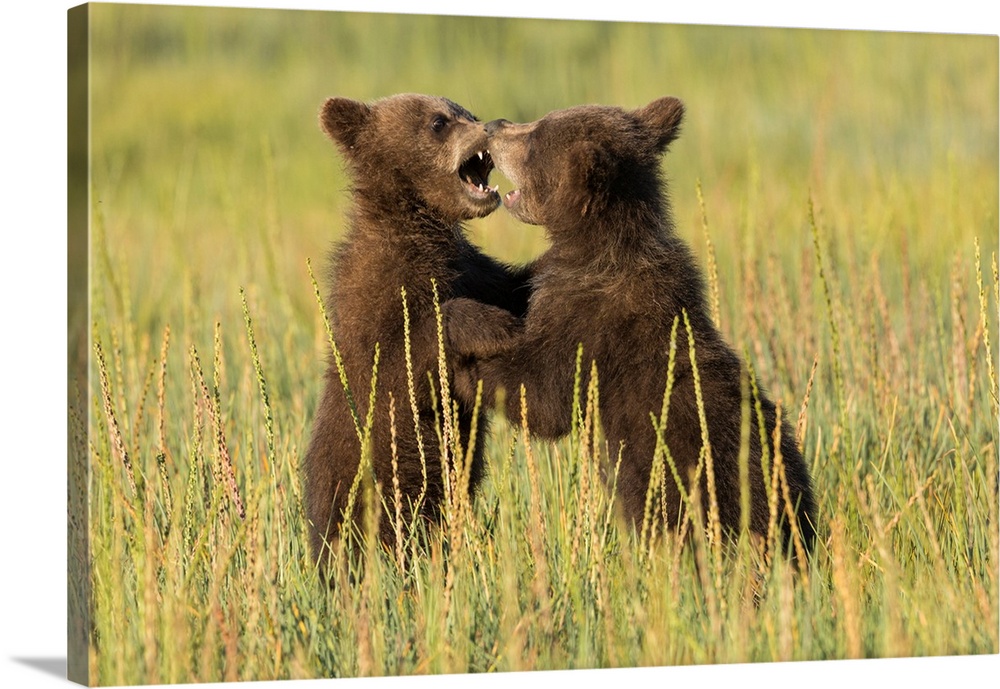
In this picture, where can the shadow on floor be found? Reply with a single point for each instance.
(50, 666)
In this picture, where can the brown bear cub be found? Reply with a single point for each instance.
(614, 279)
(419, 168)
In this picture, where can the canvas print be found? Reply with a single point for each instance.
(412, 344)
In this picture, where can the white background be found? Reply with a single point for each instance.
(33, 334)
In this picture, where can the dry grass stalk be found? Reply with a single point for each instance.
(253, 582)
(337, 358)
(191, 490)
(168, 499)
(396, 491)
(140, 410)
(448, 431)
(465, 475)
(657, 474)
(414, 408)
(984, 326)
(883, 311)
(582, 515)
(116, 360)
(161, 394)
(151, 562)
(229, 475)
(790, 514)
(586, 462)
(838, 374)
(262, 387)
(846, 589)
(368, 627)
(773, 496)
(959, 358)
(109, 412)
(364, 465)
(800, 425)
(787, 627)
(540, 582)
(710, 588)
(743, 458)
(713, 269)
(996, 284)
(714, 522)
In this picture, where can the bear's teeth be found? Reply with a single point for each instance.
(480, 154)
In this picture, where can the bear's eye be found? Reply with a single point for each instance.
(438, 123)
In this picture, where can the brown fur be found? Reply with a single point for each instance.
(404, 154)
(614, 279)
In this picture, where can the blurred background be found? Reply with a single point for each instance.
(209, 169)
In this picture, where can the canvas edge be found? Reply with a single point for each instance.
(78, 302)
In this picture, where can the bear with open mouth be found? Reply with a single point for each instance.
(614, 280)
(419, 167)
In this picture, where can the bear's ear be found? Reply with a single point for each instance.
(343, 119)
(664, 117)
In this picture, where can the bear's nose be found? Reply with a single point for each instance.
(495, 125)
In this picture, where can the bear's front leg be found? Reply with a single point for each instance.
(474, 332)
(477, 330)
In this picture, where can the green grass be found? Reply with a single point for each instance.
(842, 186)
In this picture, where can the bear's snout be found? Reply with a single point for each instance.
(493, 126)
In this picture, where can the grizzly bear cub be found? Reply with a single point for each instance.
(419, 168)
(614, 280)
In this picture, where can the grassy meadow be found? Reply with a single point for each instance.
(839, 188)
